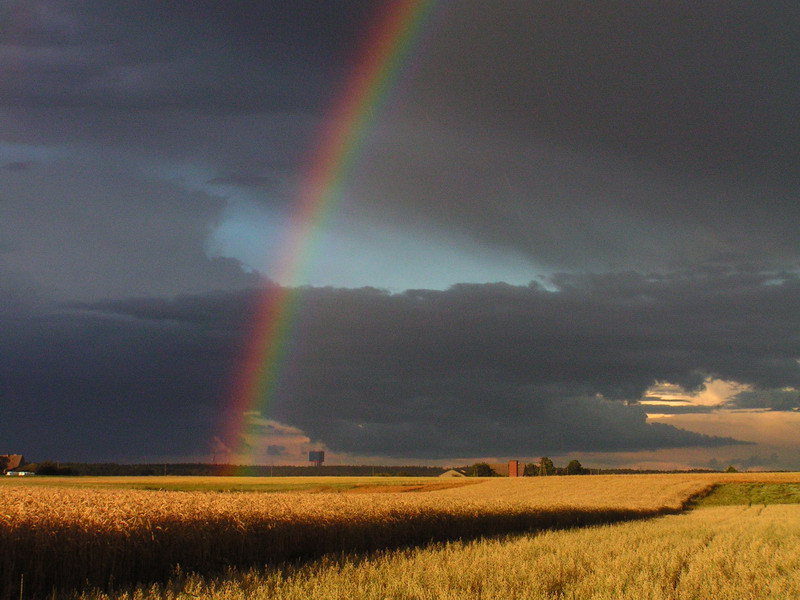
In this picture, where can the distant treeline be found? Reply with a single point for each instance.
(545, 467)
(647, 471)
(203, 469)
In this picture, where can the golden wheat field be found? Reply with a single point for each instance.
(56, 540)
(721, 553)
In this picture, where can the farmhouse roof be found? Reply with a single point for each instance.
(9, 462)
(453, 473)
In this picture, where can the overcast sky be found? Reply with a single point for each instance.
(571, 231)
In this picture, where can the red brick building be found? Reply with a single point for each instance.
(512, 468)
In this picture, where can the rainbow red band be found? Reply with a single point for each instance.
(382, 63)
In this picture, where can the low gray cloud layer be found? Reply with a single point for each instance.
(767, 399)
(474, 370)
(84, 232)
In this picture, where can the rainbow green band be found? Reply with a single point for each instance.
(381, 65)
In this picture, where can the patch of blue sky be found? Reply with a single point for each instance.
(351, 253)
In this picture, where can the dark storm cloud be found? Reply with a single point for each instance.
(706, 85)
(656, 144)
(232, 88)
(92, 385)
(244, 180)
(779, 400)
(17, 166)
(602, 136)
(585, 137)
(158, 55)
(521, 366)
(85, 232)
(475, 370)
(276, 450)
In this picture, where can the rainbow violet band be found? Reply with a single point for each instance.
(381, 65)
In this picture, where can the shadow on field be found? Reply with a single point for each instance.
(63, 557)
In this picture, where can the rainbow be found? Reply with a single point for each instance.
(382, 64)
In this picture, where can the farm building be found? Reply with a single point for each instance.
(512, 468)
(453, 473)
(9, 462)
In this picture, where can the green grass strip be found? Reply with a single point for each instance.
(729, 494)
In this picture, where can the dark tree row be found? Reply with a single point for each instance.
(544, 467)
